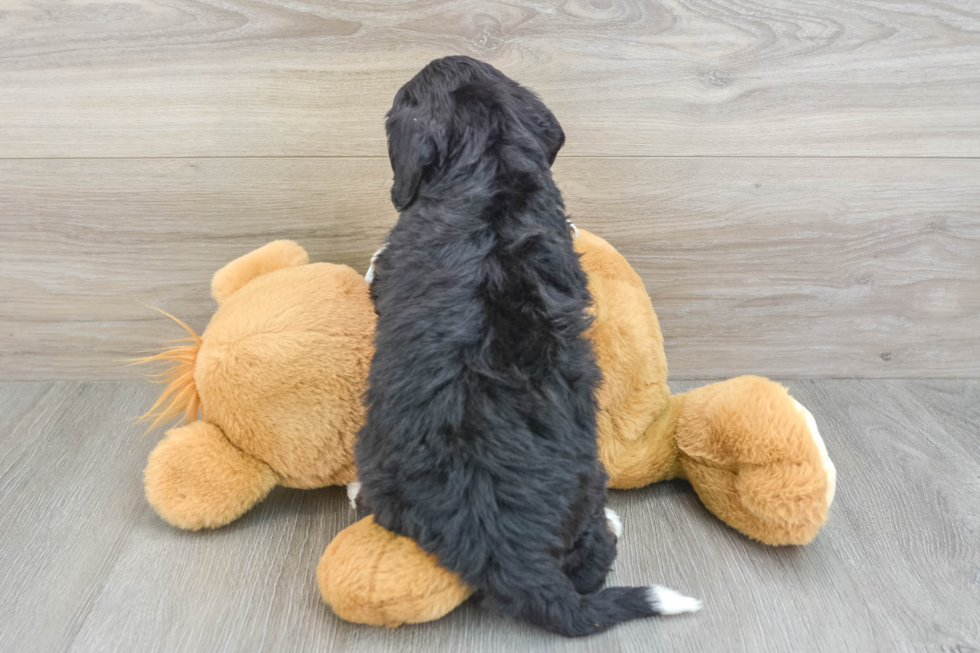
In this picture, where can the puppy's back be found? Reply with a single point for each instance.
(480, 437)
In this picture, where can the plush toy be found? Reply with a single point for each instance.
(278, 376)
(279, 372)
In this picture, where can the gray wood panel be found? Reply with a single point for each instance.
(667, 77)
(87, 246)
(787, 267)
(89, 567)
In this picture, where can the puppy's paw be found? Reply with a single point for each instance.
(353, 489)
(614, 522)
(666, 601)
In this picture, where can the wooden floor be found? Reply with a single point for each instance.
(88, 566)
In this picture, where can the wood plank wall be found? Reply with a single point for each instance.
(798, 183)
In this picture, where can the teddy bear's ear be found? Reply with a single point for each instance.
(276, 255)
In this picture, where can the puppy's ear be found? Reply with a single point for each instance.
(412, 150)
(542, 123)
(553, 136)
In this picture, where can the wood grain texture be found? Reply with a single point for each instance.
(785, 267)
(96, 78)
(798, 267)
(88, 566)
(96, 243)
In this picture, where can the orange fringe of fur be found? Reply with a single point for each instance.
(180, 395)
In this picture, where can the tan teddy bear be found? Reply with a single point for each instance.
(278, 376)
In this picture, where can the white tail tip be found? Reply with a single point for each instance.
(666, 601)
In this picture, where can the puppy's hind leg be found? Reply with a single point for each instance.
(357, 501)
(614, 522)
(590, 559)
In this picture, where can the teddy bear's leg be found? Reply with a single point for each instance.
(196, 478)
(756, 460)
(371, 576)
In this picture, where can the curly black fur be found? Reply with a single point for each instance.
(480, 441)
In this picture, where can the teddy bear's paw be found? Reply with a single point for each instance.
(828, 464)
(195, 478)
(785, 502)
(614, 522)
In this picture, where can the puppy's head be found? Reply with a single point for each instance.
(452, 112)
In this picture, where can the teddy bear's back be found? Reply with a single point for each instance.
(629, 348)
(283, 366)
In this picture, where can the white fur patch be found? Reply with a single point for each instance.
(353, 489)
(666, 601)
(828, 464)
(615, 523)
(369, 277)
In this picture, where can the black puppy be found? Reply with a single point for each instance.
(480, 441)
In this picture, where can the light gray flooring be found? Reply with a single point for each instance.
(88, 566)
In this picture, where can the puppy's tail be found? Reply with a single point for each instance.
(546, 597)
